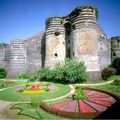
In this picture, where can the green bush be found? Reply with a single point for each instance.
(25, 75)
(107, 72)
(33, 78)
(79, 94)
(44, 74)
(68, 72)
(116, 82)
(3, 73)
(71, 72)
(116, 64)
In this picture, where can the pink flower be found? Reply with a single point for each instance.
(71, 107)
(85, 108)
(19, 89)
(60, 105)
(52, 87)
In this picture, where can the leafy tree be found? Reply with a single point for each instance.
(3, 73)
(116, 64)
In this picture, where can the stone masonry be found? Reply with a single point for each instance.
(76, 36)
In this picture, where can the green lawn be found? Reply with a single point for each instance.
(15, 82)
(36, 113)
(110, 88)
(10, 94)
(114, 77)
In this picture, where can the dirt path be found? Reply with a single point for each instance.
(5, 112)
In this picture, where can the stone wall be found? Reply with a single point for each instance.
(22, 56)
(104, 51)
(2, 57)
(34, 52)
(115, 46)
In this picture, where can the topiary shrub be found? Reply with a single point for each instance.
(107, 72)
(116, 65)
(3, 73)
(79, 94)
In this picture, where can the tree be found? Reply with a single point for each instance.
(116, 65)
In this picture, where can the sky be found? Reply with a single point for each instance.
(20, 19)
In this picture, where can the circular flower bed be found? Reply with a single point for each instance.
(96, 103)
(36, 88)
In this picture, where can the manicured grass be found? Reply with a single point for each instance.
(15, 82)
(26, 110)
(110, 88)
(114, 77)
(10, 94)
(37, 113)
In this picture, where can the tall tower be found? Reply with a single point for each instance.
(115, 46)
(18, 58)
(89, 41)
(55, 41)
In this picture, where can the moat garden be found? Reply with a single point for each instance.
(39, 96)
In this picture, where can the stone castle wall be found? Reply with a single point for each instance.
(34, 52)
(22, 55)
(115, 47)
(2, 57)
(76, 36)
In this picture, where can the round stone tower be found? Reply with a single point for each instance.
(88, 41)
(115, 46)
(55, 42)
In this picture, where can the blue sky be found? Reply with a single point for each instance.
(24, 18)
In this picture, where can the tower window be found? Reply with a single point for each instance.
(56, 33)
(56, 54)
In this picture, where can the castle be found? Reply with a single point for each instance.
(76, 36)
